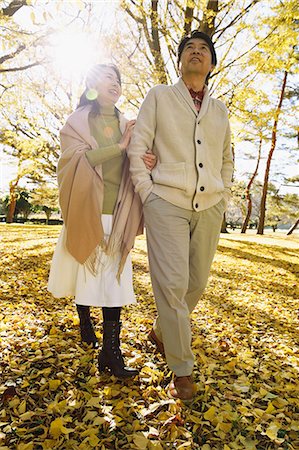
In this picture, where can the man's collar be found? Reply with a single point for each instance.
(182, 88)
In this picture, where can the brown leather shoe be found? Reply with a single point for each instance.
(154, 340)
(182, 388)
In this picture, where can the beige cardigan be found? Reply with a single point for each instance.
(81, 191)
(194, 158)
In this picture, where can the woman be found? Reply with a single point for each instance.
(102, 215)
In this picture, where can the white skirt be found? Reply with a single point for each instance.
(69, 278)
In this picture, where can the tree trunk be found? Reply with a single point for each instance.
(48, 212)
(248, 194)
(293, 227)
(189, 11)
(224, 225)
(208, 22)
(261, 225)
(155, 44)
(12, 201)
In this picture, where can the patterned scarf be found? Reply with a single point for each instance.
(197, 98)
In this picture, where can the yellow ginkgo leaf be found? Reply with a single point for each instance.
(22, 407)
(270, 409)
(154, 445)
(28, 446)
(140, 441)
(210, 413)
(272, 430)
(54, 384)
(57, 428)
(94, 440)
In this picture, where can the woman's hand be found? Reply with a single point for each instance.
(126, 137)
(149, 159)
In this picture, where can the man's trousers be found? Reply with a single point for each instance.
(181, 247)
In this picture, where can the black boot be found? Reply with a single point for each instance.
(110, 356)
(86, 328)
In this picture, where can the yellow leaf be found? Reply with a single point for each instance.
(94, 440)
(90, 415)
(32, 17)
(27, 415)
(95, 402)
(89, 432)
(53, 331)
(57, 428)
(197, 341)
(224, 426)
(230, 365)
(92, 381)
(54, 384)
(226, 447)
(210, 413)
(99, 421)
(272, 430)
(155, 445)
(28, 446)
(263, 392)
(140, 441)
(270, 409)
(14, 402)
(22, 407)
(195, 419)
(185, 446)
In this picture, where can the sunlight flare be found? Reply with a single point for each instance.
(73, 52)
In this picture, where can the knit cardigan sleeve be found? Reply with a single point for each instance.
(141, 141)
(227, 165)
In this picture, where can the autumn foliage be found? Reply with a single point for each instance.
(245, 332)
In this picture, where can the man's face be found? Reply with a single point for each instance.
(196, 58)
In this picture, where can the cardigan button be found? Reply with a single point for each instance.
(196, 205)
(200, 165)
(198, 141)
(202, 188)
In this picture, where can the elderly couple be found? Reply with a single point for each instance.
(173, 169)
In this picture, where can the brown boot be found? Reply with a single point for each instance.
(154, 340)
(182, 388)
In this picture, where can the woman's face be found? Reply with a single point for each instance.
(108, 87)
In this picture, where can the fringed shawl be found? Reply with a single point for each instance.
(81, 191)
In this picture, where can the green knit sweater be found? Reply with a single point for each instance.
(104, 128)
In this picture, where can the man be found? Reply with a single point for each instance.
(184, 197)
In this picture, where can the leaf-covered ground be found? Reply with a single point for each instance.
(245, 332)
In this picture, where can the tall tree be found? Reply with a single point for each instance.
(156, 27)
(262, 216)
(46, 197)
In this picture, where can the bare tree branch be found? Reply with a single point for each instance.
(13, 54)
(16, 69)
(13, 7)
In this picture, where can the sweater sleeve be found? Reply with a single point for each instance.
(141, 141)
(100, 155)
(227, 165)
